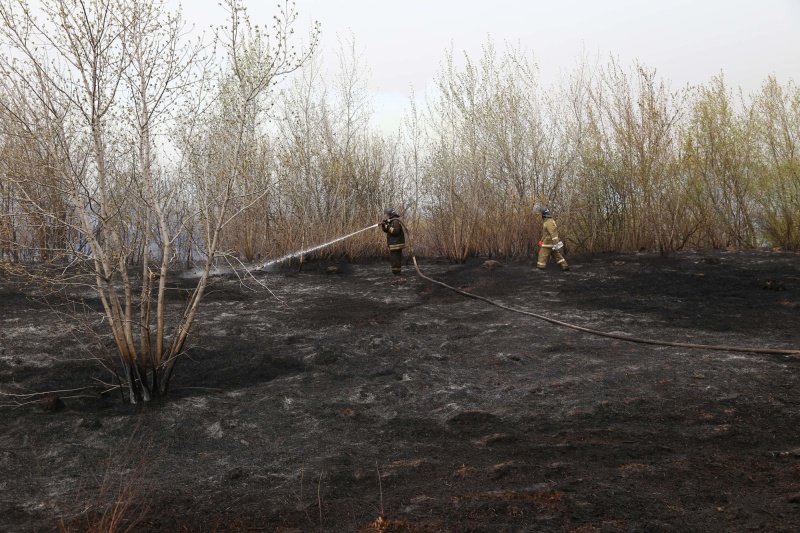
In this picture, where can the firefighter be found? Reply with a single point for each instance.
(395, 239)
(550, 243)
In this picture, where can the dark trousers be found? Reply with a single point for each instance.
(396, 260)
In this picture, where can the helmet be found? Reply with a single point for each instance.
(545, 211)
(389, 212)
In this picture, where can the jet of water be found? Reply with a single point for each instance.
(315, 248)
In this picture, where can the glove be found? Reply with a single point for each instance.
(559, 245)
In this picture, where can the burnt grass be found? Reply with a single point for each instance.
(343, 402)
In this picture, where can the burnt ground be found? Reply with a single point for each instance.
(353, 404)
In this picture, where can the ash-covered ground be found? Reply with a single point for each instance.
(342, 402)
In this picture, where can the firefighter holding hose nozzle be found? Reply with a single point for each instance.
(395, 239)
(550, 243)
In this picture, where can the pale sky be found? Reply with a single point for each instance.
(404, 43)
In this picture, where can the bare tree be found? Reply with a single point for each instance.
(160, 77)
(89, 66)
(75, 94)
(221, 148)
(413, 139)
(718, 153)
(632, 193)
(456, 169)
(776, 117)
(490, 156)
(336, 171)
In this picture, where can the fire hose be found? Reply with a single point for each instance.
(548, 319)
(604, 334)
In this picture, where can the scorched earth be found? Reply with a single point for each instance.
(343, 402)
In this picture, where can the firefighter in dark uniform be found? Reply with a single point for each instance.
(550, 243)
(395, 238)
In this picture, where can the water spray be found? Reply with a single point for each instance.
(315, 248)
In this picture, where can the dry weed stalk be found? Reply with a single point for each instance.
(118, 507)
(120, 503)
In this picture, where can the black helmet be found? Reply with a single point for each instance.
(545, 211)
(389, 212)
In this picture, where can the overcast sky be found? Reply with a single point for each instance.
(404, 42)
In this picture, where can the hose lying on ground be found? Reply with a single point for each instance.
(609, 335)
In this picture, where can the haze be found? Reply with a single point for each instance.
(403, 44)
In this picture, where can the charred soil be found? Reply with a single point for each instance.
(344, 402)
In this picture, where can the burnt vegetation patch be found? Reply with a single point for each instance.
(344, 402)
(236, 363)
(710, 291)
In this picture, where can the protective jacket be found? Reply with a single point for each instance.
(395, 237)
(550, 233)
(546, 245)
